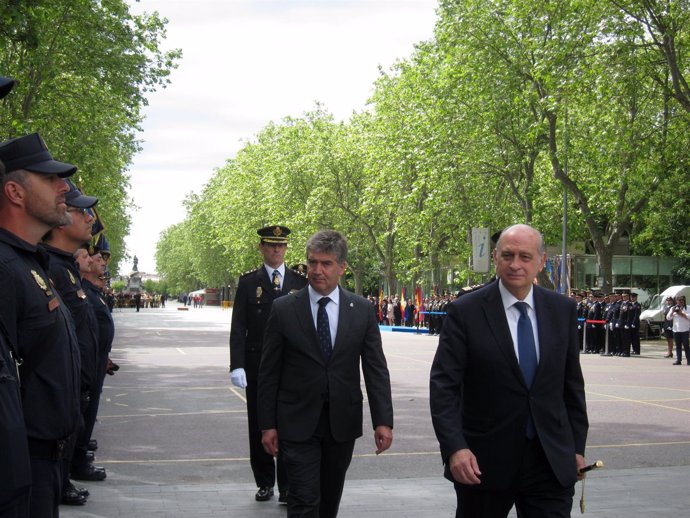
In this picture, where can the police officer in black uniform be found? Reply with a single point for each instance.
(635, 324)
(594, 330)
(94, 281)
(581, 316)
(256, 291)
(37, 320)
(61, 243)
(15, 474)
(623, 325)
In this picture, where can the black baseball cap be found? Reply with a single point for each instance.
(75, 198)
(6, 84)
(31, 153)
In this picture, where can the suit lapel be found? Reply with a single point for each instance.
(306, 320)
(498, 324)
(544, 324)
(344, 313)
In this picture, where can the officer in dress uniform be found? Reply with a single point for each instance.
(256, 291)
(15, 475)
(37, 320)
(581, 314)
(635, 324)
(623, 325)
(594, 334)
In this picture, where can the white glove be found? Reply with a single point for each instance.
(239, 378)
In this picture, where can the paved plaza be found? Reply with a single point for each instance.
(172, 431)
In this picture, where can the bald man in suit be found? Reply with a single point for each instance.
(310, 398)
(507, 391)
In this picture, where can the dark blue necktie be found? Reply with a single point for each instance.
(527, 352)
(323, 329)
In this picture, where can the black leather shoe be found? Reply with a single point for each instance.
(89, 456)
(71, 496)
(676, 363)
(93, 445)
(90, 473)
(282, 497)
(83, 491)
(263, 494)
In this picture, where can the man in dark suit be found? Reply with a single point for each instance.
(256, 292)
(310, 398)
(507, 392)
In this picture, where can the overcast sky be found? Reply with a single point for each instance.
(246, 63)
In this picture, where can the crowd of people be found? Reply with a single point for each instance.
(428, 314)
(608, 324)
(56, 330)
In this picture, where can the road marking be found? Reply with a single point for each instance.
(180, 351)
(234, 391)
(639, 444)
(365, 455)
(400, 356)
(648, 403)
(171, 414)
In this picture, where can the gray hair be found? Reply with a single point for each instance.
(522, 226)
(329, 242)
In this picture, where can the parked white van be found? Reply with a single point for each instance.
(653, 316)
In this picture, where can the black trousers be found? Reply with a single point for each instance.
(46, 489)
(90, 414)
(263, 465)
(635, 339)
(316, 469)
(536, 493)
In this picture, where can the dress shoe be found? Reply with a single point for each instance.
(668, 356)
(282, 497)
(89, 472)
(263, 494)
(92, 445)
(72, 496)
(83, 491)
(676, 363)
(89, 456)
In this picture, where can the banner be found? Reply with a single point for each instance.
(481, 251)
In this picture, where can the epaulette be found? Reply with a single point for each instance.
(469, 289)
(250, 272)
(300, 269)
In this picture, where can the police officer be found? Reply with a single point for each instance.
(594, 334)
(634, 322)
(94, 282)
(256, 291)
(15, 475)
(623, 325)
(581, 316)
(61, 243)
(39, 324)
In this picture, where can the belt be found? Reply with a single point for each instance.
(52, 450)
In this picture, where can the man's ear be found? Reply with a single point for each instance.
(14, 192)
